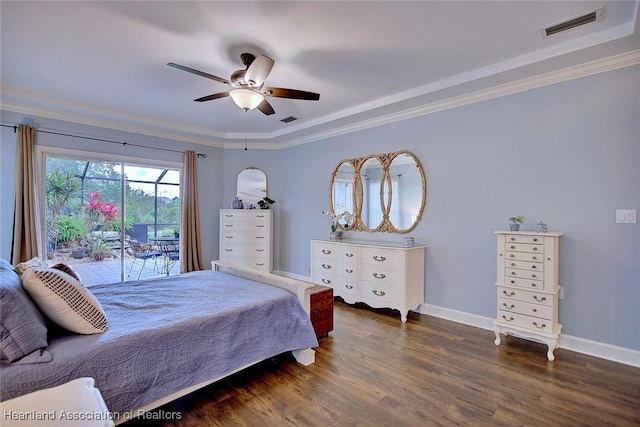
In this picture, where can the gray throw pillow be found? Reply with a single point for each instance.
(23, 331)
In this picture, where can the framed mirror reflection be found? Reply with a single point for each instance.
(251, 185)
(383, 192)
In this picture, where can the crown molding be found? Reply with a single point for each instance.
(203, 137)
(611, 63)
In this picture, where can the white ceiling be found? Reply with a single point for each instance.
(104, 63)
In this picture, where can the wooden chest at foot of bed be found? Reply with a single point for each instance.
(321, 312)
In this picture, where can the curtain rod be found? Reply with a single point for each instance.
(124, 144)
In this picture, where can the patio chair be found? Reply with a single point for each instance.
(144, 252)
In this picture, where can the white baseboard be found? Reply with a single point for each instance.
(568, 342)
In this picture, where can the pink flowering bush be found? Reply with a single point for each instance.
(100, 213)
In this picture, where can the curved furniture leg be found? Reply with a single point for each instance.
(497, 332)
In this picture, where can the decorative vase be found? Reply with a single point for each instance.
(332, 235)
(541, 227)
(237, 204)
(514, 227)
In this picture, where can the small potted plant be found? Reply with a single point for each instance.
(515, 222)
(265, 202)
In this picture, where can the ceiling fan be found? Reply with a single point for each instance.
(248, 91)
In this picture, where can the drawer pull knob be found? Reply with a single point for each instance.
(348, 286)
(229, 250)
(513, 264)
(535, 310)
(537, 298)
(379, 275)
(534, 276)
(348, 270)
(228, 237)
(513, 247)
(513, 282)
(260, 226)
(228, 225)
(534, 257)
(379, 258)
(260, 264)
(348, 255)
(509, 319)
(509, 294)
(512, 256)
(533, 285)
(533, 266)
(513, 239)
(379, 293)
(513, 273)
(229, 216)
(326, 266)
(259, 216)
(326, 251)
(259, 250)
(535, 249)
(535, 239)
(508, 306)
(539, 326)
(259, 237)
(326, 281)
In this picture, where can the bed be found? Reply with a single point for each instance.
(172, 335)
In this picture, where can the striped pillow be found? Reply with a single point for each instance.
(65, 300)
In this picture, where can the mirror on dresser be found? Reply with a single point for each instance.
(384, 192)
(251, 185)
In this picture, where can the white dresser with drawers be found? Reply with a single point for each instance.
(528, 288)
(246, 238)
(378, 274)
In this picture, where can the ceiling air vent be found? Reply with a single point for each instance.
(594, 16)
(288, 119)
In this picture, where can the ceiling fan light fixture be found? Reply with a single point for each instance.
(246, 99)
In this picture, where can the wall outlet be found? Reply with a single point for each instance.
(561, 292)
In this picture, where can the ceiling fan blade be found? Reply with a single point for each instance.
(211, 97)
(279, 92)
(266, 108)
(199, 73)
(258, 71)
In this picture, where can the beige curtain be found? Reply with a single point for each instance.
(191, 258)
(25, 222)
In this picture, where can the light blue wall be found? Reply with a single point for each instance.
(567, 154)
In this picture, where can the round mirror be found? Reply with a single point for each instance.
(372, 209)
(407, 192)
(251, 186)
(342, 196)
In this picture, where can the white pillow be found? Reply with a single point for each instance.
(65, 300)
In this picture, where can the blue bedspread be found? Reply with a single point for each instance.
(168, 334)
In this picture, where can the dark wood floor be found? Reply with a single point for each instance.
(375, 371)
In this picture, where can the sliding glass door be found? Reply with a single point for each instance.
(111, 221)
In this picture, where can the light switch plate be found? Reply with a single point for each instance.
(626, 216)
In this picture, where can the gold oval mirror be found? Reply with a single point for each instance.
(407, 192)
(342, 193)
(385, 192)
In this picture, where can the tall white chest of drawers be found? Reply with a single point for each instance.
(528, 288)
(378, 274)
(246, 238)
